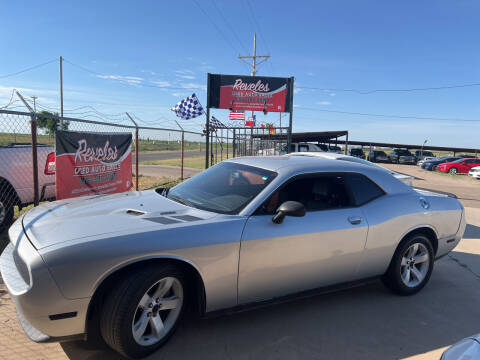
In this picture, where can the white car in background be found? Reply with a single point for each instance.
(407, 179)
(475, 172)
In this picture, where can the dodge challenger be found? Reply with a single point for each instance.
(125, 268)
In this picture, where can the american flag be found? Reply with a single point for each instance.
(237, 116)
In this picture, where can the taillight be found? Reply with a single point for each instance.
(50, 165)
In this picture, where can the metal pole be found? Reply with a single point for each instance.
(233, 143)
(346, 144)
(136, 151)
(181, 163)
(136, 159)
(61, 89)
(33, 129)
(207, 138)
(227, 145)
(289, 135)
(211, 148)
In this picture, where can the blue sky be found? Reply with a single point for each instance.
(361, 45)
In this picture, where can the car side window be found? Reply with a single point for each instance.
(322, 192)
(302, 148)
(362, 188)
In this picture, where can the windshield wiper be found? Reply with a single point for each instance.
(179, 200)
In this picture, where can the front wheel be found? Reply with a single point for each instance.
(143, 311)
(411, 266)
(452, 171)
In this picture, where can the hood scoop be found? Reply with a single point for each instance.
(173, 219)
(135, 212)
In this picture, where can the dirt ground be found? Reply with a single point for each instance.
(365, 322)
(465, 187)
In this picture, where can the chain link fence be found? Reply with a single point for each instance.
(27, 162)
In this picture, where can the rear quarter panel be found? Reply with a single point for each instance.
(392, 217)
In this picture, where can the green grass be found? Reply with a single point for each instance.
(196, 162)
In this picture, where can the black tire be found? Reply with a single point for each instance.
(392, 279)
(120, 307)
(453, 171)
(7, 203)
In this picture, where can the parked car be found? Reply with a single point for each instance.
(407, 179)
(427, 158)
(357, 153)
(475, 172)
(460, 166)
(420, 155)
(377, 156)
(401, 156)
(294, 147)
(16, 178)
(247, 230)
(465, 349)
(431, 165)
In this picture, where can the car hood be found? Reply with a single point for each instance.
(71, 219)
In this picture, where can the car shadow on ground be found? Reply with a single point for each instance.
(472, 232)
(366, 322)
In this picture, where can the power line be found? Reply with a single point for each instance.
(216, 26)
(10, 102)
(229, 25)
(389, 116)
(27, 69)
(105, 76)
(367, 92)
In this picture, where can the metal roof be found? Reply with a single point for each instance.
(318, 136)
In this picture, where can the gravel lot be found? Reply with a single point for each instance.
(365, 322)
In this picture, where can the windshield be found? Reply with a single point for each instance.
(403, 152)
(225, 188)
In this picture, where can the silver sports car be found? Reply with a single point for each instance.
(125, 268)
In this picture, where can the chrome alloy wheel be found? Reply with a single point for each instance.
(414, 265)
(157, 311)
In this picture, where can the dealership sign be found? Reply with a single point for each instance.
(255, 93)
(92, 163)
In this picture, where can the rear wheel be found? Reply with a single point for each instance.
(452, 171)
(411, 266)
(144, 310)
(6, 211)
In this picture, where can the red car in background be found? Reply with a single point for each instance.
(460, 166)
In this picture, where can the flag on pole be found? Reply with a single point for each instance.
(188, 108)
(216, 124)
(237, 116)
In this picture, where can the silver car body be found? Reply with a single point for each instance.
(61, 252)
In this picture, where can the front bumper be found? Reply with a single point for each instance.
(474, 174)
(406, 160)
(35, 293)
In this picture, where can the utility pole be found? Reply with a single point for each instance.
(61, 89)
(254, 65)
(254, 57)
(34, 104)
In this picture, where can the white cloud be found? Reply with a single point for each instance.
(132, 80)
(184, 72)
(296, 90)
(310, 73)
(332, 94)
(189, 77)
(323, 102)
(161, 83)
(194, 86)
(296, 106)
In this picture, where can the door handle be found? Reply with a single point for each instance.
(355, 220)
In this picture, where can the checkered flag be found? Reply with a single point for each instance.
(216, 124)
(188, 108)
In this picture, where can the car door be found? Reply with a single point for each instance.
(470, 164)
(322, 248)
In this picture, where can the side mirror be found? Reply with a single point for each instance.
(289, 208)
